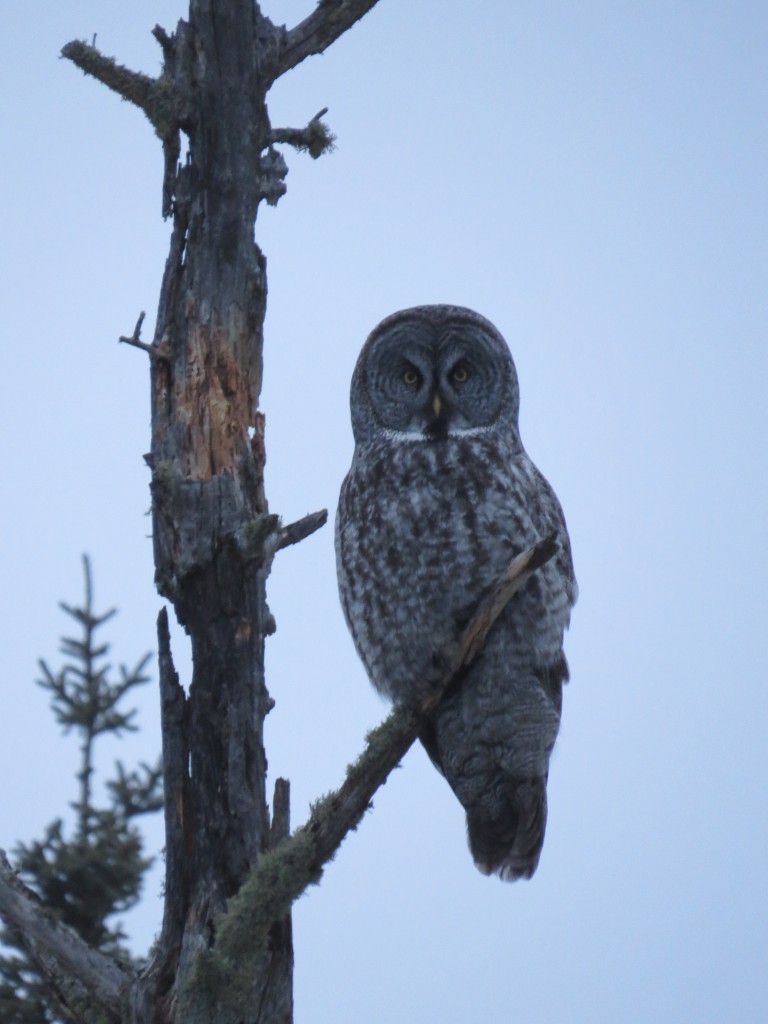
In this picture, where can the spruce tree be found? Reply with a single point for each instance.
(93, 870)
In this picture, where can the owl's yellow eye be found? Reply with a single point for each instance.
(460, 373)
(411, 377)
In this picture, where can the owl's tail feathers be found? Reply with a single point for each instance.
(507, 839)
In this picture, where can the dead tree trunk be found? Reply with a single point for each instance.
(210, 522)
(213, 537)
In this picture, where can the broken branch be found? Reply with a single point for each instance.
(155, 351)
(294, 532)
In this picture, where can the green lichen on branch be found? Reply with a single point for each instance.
(259, 535)
(266, 896)
(316, 138)
(222, 977)
(282, 874)
(155, 96)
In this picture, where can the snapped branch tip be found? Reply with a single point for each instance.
(302, 528)
(152, 350)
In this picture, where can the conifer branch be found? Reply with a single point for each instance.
(59, 926)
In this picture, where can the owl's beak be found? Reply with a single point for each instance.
(437, 405)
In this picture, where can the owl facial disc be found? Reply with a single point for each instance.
(432, 373)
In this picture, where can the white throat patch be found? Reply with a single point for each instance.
(419, 435)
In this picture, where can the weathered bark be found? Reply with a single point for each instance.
(210, 522)
(213, 536)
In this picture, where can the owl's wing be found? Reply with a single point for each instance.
(550, 520)
(348, 568)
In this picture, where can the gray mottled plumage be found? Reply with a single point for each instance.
(440, 496)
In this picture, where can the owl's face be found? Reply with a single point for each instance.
(431, 373)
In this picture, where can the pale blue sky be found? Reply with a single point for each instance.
(591, 177)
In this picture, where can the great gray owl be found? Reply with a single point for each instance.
(439, 498)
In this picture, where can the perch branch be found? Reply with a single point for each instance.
(283, 873)
(329, 20)
(61, 954)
